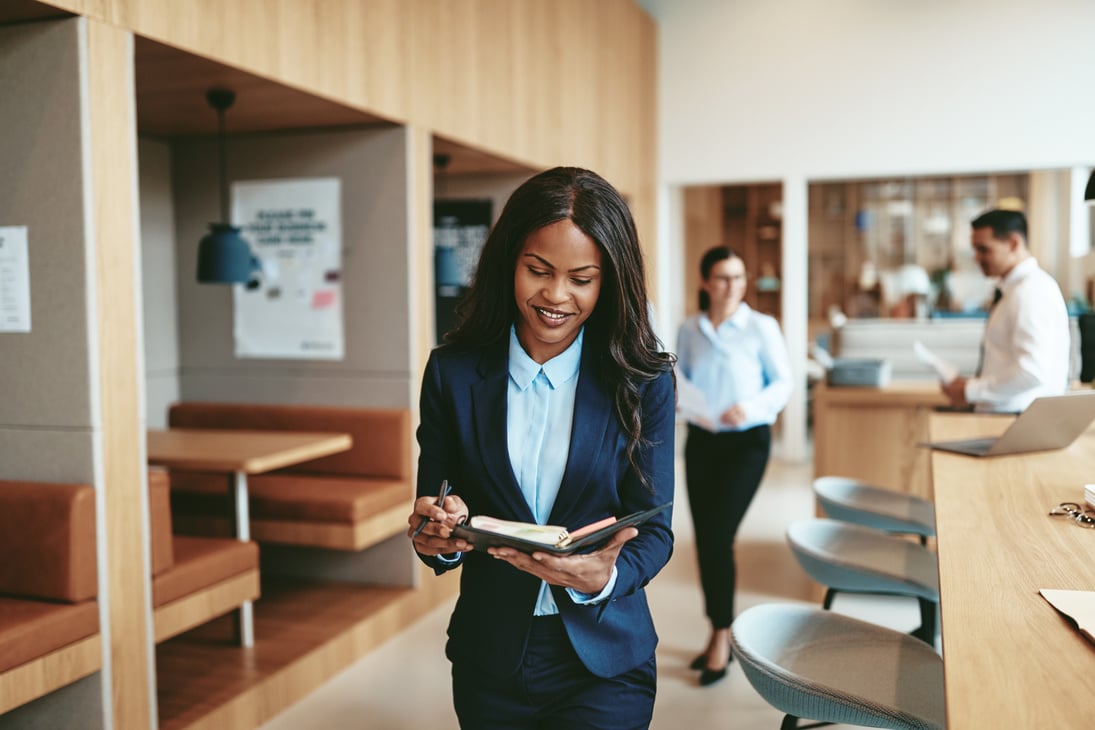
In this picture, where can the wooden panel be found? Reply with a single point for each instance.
(543, 83)
(872, 434)
(333, 536)
(305, 633)
(171, 86)
(45, 674)
(125, 564)
(997, 549)
(201, 606)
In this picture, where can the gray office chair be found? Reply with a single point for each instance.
(819, 665)
(853, 500)
(850, 558)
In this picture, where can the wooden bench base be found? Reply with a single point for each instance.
(181, 615)
(331, 535)
(45, 674)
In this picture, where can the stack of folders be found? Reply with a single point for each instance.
(1089, 494)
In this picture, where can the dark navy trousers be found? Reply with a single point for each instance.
(552, 690)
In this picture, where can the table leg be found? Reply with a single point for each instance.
(245, 617)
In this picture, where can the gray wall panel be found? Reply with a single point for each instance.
(371, 165)
(161, 332)
(45, 372)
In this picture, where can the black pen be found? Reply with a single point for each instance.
(445, 489)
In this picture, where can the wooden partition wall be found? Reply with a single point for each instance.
(535, 83)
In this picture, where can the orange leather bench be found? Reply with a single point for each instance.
(347, 501)
(49, 615)
(194, 579)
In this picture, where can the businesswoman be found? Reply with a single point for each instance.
(551, 402)
(738, 360)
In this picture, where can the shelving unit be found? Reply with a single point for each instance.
(752, 224)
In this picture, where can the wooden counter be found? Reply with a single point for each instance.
(871, 434)
(1010, 660)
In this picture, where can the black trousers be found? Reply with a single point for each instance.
(553, 690)
(723, 472)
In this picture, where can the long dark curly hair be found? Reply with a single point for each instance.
(619, 326)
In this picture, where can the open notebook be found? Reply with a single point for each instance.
(1050, 422)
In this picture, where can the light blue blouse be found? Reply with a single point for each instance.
(539, 418)
(742, 361)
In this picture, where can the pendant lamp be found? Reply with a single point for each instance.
(224, 257)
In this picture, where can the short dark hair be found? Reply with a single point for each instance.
(711, 257)
(1002, 222)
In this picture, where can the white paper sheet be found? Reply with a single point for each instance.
(692, 403)
(944, 369)
(14, 280)
(1077, 605)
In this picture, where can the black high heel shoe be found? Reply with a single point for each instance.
(710, 676)
(699, 662)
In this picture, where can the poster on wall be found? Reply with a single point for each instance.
(293, 309)
(14, 280)
(460, 228)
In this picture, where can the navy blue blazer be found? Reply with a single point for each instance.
(462, 435)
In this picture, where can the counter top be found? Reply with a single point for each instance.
(1011, 660)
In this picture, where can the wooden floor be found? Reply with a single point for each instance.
(305, 633)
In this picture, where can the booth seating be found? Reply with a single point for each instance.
(194, 579)
(49, 615)
(348, 501)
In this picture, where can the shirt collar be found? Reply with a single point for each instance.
(1018, 273)
(558, 370)
(739, 319)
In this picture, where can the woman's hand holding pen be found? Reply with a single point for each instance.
(586, 573)
(431, 525)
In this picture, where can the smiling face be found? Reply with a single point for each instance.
(556, 286)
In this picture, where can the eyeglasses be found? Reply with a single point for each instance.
(1082, 516)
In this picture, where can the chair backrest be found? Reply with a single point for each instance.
(47, 541)
(852, 500)
(381, 436)
(824, 666)
(849, 557)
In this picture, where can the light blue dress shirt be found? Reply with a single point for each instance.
(742, 361)
(539, 419)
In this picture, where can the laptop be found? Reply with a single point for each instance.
(1049, 422)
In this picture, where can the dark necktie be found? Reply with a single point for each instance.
(996, 295)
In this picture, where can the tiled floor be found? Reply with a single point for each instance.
(405, 682)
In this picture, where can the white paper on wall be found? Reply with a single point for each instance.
(294, 227)
(14, 280)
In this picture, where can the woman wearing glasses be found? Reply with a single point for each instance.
(551, 403)
(737, 359)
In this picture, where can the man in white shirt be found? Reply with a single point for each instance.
(1026, 348)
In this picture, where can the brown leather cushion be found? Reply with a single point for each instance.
(293, 497)
(47, 541)
(30, 629)
(159, 523)
(381, 437)
(201, 562)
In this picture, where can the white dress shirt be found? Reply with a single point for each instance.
(1026, 343)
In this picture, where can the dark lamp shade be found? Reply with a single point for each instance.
(224, 257)
(1089, 192)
